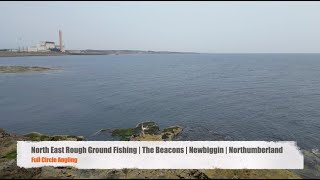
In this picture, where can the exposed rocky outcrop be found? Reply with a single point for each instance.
(151, 132)
(22, 69)
(9, 169)
(35, 136)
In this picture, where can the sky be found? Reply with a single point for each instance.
(205, 27)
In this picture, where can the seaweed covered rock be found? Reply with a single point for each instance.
(35, 136)
(3, 133)
(147, 131)
(311, 165)
(125, 132)
(171, 132)
(150, 127)
(250, 174)
(22, 69)
(8, 144)
(9, 168)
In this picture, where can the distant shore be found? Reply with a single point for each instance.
(85, 52)
(23, 54)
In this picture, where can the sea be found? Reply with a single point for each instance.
(247, 97)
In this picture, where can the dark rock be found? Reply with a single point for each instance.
(3, 133)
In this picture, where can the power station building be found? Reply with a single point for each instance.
(47, 46)
(44, 46)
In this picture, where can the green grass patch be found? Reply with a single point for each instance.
(12, 155)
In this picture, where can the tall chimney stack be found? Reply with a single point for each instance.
(60, 39)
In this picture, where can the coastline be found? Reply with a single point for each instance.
(26, 54)
(9, 168)
(85, 52)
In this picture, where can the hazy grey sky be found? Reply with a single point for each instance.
(212, 27)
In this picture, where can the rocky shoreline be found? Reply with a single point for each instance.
(22, 69)
(9, 169)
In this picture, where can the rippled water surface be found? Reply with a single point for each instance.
(235, 96)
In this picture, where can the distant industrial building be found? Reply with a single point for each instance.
(44, 46)
(9, 50)
(47, 46)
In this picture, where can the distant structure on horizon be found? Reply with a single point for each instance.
(60, 40)
(47, 46)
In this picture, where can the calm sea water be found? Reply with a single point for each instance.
(230, 96)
